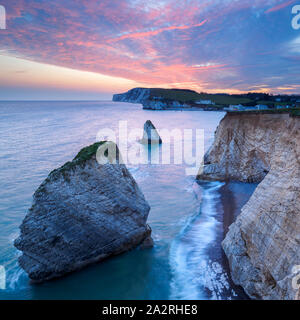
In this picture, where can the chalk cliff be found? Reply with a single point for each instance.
(263, 245)
(82, 213)
(136, 95)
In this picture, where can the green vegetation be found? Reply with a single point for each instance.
(270, 103)
(83, 155)
(87, 152)
(185, 96)
(293, 112)
(175, 94)
(224, 100)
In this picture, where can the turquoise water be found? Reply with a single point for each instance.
(186, 218)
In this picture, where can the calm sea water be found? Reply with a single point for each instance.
(187, 218)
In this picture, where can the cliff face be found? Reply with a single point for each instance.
(136, 95)
(244, 146)
(263, 245)
(82, 213)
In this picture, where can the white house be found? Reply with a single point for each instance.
(204, 102)
(250, 108)
(262, 107)
(283, 107)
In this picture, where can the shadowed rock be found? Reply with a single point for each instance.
(150, 134)
(82, 213)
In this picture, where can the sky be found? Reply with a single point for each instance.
(90, 49)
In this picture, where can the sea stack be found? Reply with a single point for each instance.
(84, 212)
(263, 245)
(151, 135)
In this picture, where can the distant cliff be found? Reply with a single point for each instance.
(160, 99)
(165, 99)
(136, 95)
(263, 245)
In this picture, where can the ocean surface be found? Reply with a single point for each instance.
(188, 219)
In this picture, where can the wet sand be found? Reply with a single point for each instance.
(233, 196)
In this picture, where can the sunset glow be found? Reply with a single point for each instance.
(92, 49)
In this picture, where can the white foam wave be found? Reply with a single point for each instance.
(194, 275)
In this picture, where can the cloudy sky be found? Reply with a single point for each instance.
(84, 49)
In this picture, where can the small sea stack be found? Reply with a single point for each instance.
(84, 212)
(151, 135)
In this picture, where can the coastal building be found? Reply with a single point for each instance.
(283, 107)
(238, 107)
(205, 102)
(262, 107)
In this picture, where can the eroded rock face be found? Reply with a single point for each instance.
(243, 147)
(150, 134)
(263, 245)
(82, 213)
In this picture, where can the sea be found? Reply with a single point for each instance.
(189, 219)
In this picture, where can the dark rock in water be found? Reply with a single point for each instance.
(147, 243)
(150, 134)
(82, 213)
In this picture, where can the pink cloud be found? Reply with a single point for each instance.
(139, 35)
(165, 43)
(280, 6)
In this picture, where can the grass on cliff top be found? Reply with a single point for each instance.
(183, 96)
(295, 112)
(83, 155)
(87, 152)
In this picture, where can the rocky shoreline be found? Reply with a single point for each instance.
(263, 245)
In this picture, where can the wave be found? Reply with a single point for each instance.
(194, 274)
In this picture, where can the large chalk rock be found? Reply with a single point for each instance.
(82, 213)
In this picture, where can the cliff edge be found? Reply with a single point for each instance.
(82, 213)
(263, 245)
(136, 95)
